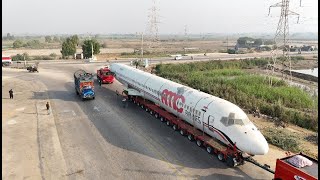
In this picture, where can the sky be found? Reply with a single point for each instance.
(131, 16)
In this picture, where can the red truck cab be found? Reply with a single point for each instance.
(285, 170)
(105, 75)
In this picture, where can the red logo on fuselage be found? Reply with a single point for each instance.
(167, 96)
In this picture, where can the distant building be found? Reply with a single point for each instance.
(307, 48)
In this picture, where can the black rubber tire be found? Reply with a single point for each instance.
(151, 112)
(168, 123)
(156, 115)
(190, 137)
(175, 127)
(220, 157)
(182, 132)
(230, 161)
(199, 143)
(162, 119)
(209, 149)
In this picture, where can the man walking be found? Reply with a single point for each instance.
(48, 107)
(11, 94)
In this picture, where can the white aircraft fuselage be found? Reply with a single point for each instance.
(217, 117)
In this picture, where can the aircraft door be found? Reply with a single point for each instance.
(210, 122)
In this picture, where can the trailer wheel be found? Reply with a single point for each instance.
(142, 106)
(220, 156)
(230, 162)
(156, 115)
(209, 149)
(151, 112)
(147, 109)
(161, 119)
(168, 123)
(174, 127)
(190, 137)
(182, 132)
(199, 143)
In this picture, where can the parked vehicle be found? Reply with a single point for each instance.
(32, 68)
(6, 60)
(84, 84)
(105, 75)
(178, 57)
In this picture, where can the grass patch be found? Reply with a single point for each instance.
(283, 139)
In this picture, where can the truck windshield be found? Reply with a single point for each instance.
(87, 87)
(107, 73)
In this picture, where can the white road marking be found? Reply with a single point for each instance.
(20, 109)
(96, 108)
(69, 111)
(11, 122)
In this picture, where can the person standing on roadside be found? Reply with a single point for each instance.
(48, 107)
(11, 94)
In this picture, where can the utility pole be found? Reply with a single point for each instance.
(91, 50)
(282, 31)
(227, 43)
(142, 46)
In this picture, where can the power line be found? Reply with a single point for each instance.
(153, 21)
(281, 39)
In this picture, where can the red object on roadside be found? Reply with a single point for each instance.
(285, 170)
(105, 75)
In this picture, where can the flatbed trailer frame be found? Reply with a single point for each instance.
(230, 154)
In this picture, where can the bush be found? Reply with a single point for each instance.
(18, 57)
(282, 139)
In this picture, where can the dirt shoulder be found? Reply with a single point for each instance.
(30, 143)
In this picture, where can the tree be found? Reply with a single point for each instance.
(9, 36)
(68, 48)
(56, 39)
(33, 44)
(87, 48)
(48, 39)
(137, 63)
(75, 40)
(17, 44)
(257, 42)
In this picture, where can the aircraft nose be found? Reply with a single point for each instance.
(260, 147)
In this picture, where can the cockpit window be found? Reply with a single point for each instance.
(224, 120)
(238, 121)
(230, 120)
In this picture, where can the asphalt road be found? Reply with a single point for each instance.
(102, 140)
(197, 57)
